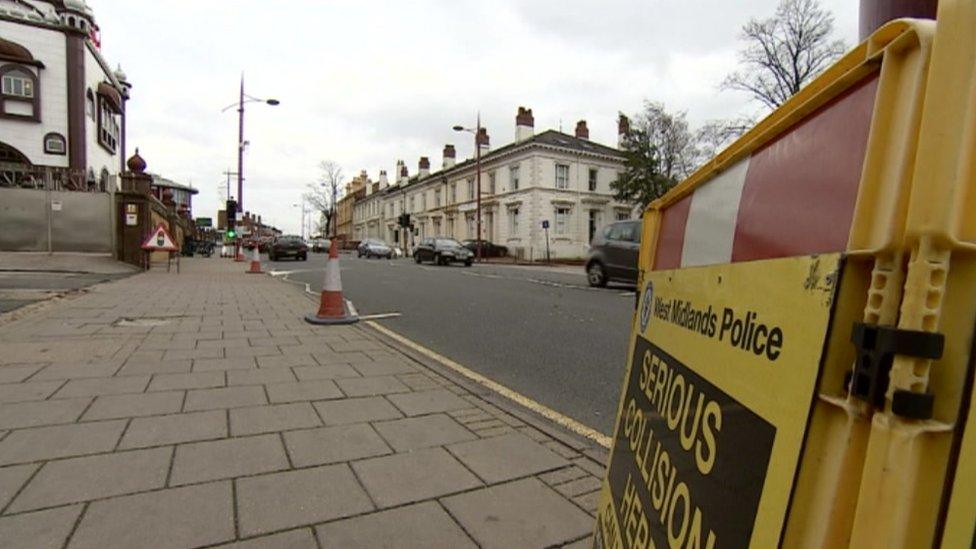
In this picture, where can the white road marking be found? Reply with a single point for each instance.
(379, 316)
(514, 396)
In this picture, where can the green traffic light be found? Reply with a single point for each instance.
(231, 233)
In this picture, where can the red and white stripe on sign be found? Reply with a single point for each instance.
(794, 196)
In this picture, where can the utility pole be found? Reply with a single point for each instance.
(477, 163)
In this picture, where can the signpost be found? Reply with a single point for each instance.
(545, 225)
(703, 454)
(161, 241)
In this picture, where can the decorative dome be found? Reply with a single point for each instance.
(76, 5)
(120, 75)
(136, 164)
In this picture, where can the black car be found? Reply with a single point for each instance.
(487, 248)
(288, 246)
(443, 251)
(613, 254)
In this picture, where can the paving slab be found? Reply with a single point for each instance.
(285, 361)
(506, 457)
(103, 386)
(39, 443)
(260, 376)
(276, 417)
(292, 539)
(39, 530)
(135, 405)
(43, 412)
(296, 498)
(224, 397)
(368, 386)
(146, 367)
(384, 368)
(195, 380)
(428, 402)
(328, 371)
(94, 477)
(524, 513)
(19, 372)
(175, 518)
(415, 476)
(356, 410)
(29, 390)
(297, 391)
(221, 364)
(420, 525)
(422, 432)
(219, 459)
(334, 444)
(12, 478)
(175, 428)
(75, 370)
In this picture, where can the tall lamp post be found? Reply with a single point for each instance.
(242, 100)
(302, 206)
(477, 162)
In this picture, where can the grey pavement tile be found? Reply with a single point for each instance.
(12, 478)
(422, 432)
(561, 449)
(334, 444)
(39, 443)
(428, 402)
(326, 356)
(292, 539)
(276, 417)
(356, 410)
(332, 371)
(143, 367)
(17, 373)
(420, 525)
(94, 477)
(588, 501)
(579, 487)
(77, 370)
(103, 386)
(241, 352)
(223, 343)
(172, 429)
(234, 457)
(224, 397)
(182, 354)
(273, 341)
(260, 376)
(135, 405)
(360, 345)
(585, 543)
(28, 390)
(368, 386)
(524, 513)
(40, 530)
(16, 415)
(211, 364)
(297, 498)
(200, 380)
(285, 361)
(174, 518)
(506, 457)
(296, 391)
(146, 355)
(418, 382)
(167, 345)
(384, 368)
(483, 424)
(414, 476)
(563, 475)
(495, 431)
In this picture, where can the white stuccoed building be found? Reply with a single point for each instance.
(550, 176)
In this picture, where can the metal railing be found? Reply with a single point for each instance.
(47, 178)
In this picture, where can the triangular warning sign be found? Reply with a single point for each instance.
(160, 240)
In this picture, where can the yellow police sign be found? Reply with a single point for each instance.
(715, 403)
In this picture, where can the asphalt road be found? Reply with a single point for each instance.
(543, 333)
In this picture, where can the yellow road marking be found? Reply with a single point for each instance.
(514, 396)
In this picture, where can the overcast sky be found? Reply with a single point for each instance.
(365, 83)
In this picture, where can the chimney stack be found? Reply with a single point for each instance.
(384, 182)
(404, 174)
(524, 124)
(450, 156)
(423, 167)
(623, 128)
(482, 141)
(582, 131)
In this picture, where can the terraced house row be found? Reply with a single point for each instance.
(550, 176)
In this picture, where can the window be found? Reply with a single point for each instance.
(491, 183)
(437, 198)
(622, 215)
(19, 96)
(470, 189)
(423, 202)
(55, 143)
(513, 222)
(18, 83)
(627, 232)
(562, 217)
(592, 181)
(108, 126)
(562, 176)
(513, 177)
(90, 104)
(470, 219)
(453, 193)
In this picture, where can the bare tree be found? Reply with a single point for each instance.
(715, 135)
(785, 52)
(324, 195)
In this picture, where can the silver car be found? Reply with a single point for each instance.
(374, 247)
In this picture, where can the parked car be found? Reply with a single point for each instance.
(289, 245)
(443, 251)
(613, 254)
(374, 247)
(321, 245)
(487, 248)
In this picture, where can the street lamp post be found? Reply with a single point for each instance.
(302, 205)
(477, 163)
(241, 143)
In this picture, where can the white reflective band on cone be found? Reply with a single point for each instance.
(332, 282)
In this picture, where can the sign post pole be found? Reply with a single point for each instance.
(545, 225)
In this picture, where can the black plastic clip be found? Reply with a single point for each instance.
(876, 350)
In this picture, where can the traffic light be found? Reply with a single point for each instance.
(404, 220)
(231, 218)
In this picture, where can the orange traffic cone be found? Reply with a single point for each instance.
(239, 258)
(332, 308)
(255, 263)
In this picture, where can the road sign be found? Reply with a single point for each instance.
(131, 219)
(204, 222)
(160, 240)
(705, 454)
(545, 223)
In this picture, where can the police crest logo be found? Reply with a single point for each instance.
(646, 301)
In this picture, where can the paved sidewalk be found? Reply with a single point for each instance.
(64, 262)
(199, 409)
